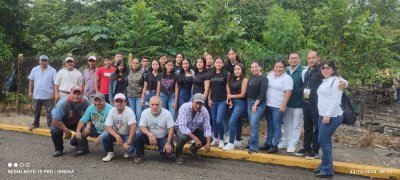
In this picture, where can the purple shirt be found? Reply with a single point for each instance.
(88, 79)
(187, 124)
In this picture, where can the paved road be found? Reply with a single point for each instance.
(35, 152)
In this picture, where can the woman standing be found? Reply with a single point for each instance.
(256, 91)
(135, 86)
(237, 101)
(178, 62)
(233, 60)
(201, 80)
(150, 83)
(118, 81)
(330, 115)
(167, 88)
(185, 82)
(280, 86)
(217, 100)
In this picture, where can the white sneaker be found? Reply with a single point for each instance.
(237, 144)
(291, 149)
(127, 155)
(282, 146)
(109, 157)
(229, 147)
(221, 144)
(215, 142)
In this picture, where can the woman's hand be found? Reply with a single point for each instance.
(326, 119)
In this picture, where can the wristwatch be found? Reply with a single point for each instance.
(168, 142)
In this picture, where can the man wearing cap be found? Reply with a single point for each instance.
(41, 84)
(66, 79)
(66, 115)
(89, 76)
(193, 123)
(156, 128)
(103, 74)
(120, 127)
(92, 123)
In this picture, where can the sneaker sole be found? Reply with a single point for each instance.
(311, 158)
(297, 154)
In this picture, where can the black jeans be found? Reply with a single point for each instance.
(183, 139)
(57, 137)
(37, 108)
(83, 143)
(310, 112)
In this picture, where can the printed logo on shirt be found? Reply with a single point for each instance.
(167, 83)
(107, 74)
(118, 124)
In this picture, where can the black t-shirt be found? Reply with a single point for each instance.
(120, 86)
(151, 81)
(185, 82)
(198, 82)
(236, 86)
(167, 82)
(231, 67)
(257, 87)
(218, 85)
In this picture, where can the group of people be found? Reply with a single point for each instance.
(150, 101)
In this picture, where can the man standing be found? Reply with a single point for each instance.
(102, 82)
(145, 64)
(66, 116)
(118, 58)
(193, 123)
(89, 76)
(66, 79)
(156, 128)
(120, 127)
(92, 123)
(41, 89)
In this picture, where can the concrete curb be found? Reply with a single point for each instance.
(340, 167)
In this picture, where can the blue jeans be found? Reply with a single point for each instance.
(184, 97)
(168, 102)
(274, 125)
(325, 140)
(218, 112)
(142, 139)
(235, 122)
(108, 142)
(135, 104)
(254, 119)
(57, 136)
(147, 97)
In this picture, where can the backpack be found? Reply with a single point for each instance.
(349, 117)
(10, 83)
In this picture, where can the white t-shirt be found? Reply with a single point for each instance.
(159, 125)
(121, 122)
(276, 89)
(68, 79)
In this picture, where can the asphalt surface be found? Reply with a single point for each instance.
(20, 150)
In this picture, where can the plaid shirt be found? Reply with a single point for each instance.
(186, 124)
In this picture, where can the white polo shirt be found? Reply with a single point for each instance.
(277, 87)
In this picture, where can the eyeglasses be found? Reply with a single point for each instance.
(323, 68)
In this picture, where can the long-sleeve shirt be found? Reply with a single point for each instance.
(330, 97)
(187, 122)
(257, 87)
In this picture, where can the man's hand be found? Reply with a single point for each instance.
(198, 142)
(119, 140)
(342, 85)
(207, 147)
(86, 131)
(78, 135)
(325, 119)
(68, 134)
(152, 139)
(168, 148)
(125, 146)
(97, 141)
(254, 109)
(30, 95)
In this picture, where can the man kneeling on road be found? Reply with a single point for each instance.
(120, 127)
(193, 123)
(156, 128)
(66, 116)
(96, 115)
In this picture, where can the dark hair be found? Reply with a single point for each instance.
(151, 67)
(117, 71)
(196, 70)
(332, 65)
(237, 55)
(257, 62)
(282, 62)
(181, 74)
(180, 54)
(243, 75)
(223, 62)
(294, 52)
(145, 57)
(163, 56)
(172, 62)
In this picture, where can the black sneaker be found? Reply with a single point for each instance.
(301, 152)
(80, 153)
(273, 149)
(180, 160)
(266, 147)
(193, 150)
(311, 155)
(251, 151)
(247, 147)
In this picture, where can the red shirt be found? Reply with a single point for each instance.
(104, 75)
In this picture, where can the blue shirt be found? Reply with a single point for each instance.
(97, 118)
(43, 82)
(69, 112)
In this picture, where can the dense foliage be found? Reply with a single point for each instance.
(362, 36)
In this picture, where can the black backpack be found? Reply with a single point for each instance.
(349, 117)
